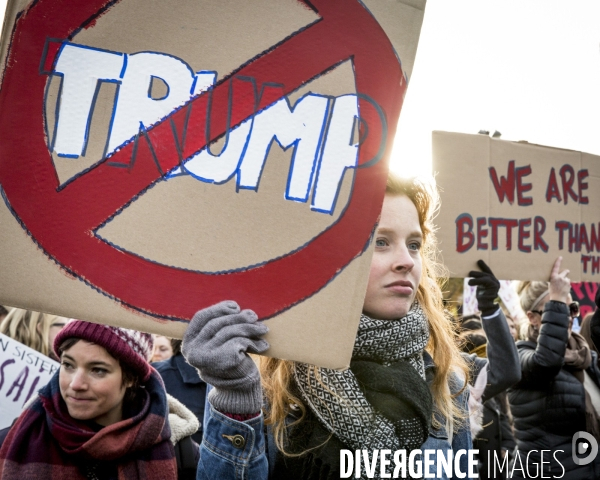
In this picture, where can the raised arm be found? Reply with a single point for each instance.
(541, 365)
(217, 343)
(504, 369)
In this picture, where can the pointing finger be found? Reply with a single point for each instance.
(484, 267)
(556, 267)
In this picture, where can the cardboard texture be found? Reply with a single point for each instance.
(24, 371)
(157, 157)
(517, 206)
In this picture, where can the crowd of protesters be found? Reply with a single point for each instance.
(130, 405)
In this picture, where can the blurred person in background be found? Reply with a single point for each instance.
(183, 382)
(559, 391)
(33, 329)
(513, 326)
(586, 332)
(3, 312)
(162, 348)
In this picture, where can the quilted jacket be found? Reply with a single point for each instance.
(548, 404)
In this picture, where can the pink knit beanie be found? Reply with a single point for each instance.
(132, 348)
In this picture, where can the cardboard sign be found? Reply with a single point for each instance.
(23, 371)
(585, 294)
(507, 294)
(510, 299)
(469, 305)
(158, 157)
(517, 206)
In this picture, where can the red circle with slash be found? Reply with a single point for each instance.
(62, 221)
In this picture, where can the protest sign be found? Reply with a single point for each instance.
(507, 293)
(510, 299)
(157, 157)
(23, 371)
(469, 305)
(517, 206)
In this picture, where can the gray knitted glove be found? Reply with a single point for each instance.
(216, 342)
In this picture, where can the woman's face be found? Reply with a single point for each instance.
(91, 383)
(396, 266)
(162, 349)
(536, 319)
(512, 328)
(57, 326)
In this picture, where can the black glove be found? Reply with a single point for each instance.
(488, 287)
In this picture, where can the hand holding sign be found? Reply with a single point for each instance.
(99, 120)
(216, 343)
(560, 283)
(488, 287)
(526, 205)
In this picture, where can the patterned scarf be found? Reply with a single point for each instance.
(46, 442)
(378, 403)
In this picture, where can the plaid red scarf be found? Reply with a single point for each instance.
(46, 442)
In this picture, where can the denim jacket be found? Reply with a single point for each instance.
(439, 439)
(232, 449)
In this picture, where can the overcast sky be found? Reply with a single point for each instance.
(527, 68)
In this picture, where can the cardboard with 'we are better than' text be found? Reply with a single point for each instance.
(518, 206)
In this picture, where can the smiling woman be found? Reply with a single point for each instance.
(92, 383)
(106, 409)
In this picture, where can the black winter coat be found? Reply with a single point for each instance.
(548, 404)
(495, 437)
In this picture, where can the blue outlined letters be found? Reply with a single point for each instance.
(301, 127)
(82, 69)
(339, 153)
(319, 128)
(134, 104)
